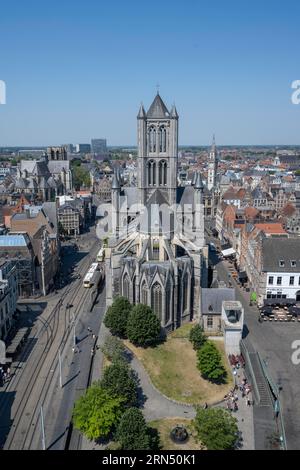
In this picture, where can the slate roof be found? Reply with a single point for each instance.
(158, 109)
(281, 249)
(211, 299)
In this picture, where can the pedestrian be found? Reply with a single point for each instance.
(94, 336)
(248, 402)
(205, 406)
(236, 408)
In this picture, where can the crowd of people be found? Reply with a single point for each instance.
(232, 399)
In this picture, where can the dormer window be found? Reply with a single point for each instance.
(293, 263)
(281, 263)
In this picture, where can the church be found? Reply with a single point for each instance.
(156, 253)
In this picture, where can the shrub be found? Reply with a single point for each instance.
(117, 316)
(197, 337)
(143, 327)
(113, 348)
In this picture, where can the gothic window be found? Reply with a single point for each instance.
(152, 139)
(185, 293)
(156, 300)
(144, 294)
(165, 173)
(126, 286)
(162, 139)
(151, 168)
(168, 302)
(154, 173)
(155, 250)
(134, 300)
(162, 173)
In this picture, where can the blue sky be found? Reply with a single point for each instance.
(75, 70)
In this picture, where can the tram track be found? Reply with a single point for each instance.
(39, 377)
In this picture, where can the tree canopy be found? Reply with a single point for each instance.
(216, 428)
(210, 363)
(118, 379)
(97, 412)
(132, 432)
(117, 315)
(143, 326)
(81, 177)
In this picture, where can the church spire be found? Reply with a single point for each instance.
(142, 112)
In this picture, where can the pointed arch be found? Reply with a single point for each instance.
(156, 300)
(144, 293)
(134, 299)
(186, 302)
(126, 286)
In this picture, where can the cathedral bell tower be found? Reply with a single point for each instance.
(212, 166)
(157, 151)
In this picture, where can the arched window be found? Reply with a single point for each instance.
(185, 293)
(162, 139)
(151, 168)
(126, 286)
(152, 139)
(154, 173)
(144, 295)
(134, 300)
(165, 174)
(168, 302)
(162, 173)
(156, 300)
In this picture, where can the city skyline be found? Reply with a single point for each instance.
(229, 70)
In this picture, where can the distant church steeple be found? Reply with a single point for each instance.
(212, 166)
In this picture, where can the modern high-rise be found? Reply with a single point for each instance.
(99, 148)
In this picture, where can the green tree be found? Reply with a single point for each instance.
(118, 379)
(216, 428)
(197, 337)
(132, 432)
(81, 177)
(113, 348)
(97, 412)
(210, 363)
(143, 326)
(117, 316)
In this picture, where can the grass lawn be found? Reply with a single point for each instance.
(164, 427)
(172, 367)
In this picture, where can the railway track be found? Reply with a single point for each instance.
(36, 380)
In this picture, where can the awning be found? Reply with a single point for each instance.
(228, 252)
(21, 334)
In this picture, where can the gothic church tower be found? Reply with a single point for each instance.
(212, 166)
(157, 151)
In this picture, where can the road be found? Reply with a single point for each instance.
(36, 372)
(274, 343)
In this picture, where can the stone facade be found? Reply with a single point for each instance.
(157, 255)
